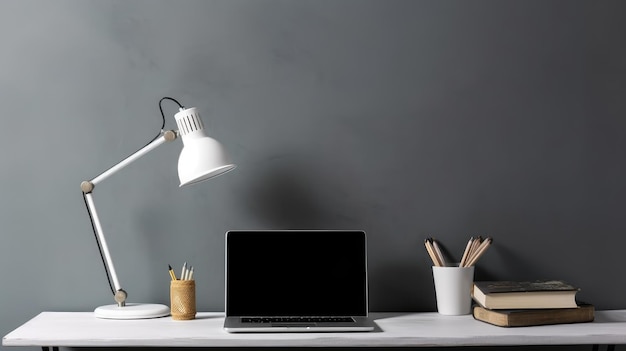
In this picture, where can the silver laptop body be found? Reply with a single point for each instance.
(296, 281)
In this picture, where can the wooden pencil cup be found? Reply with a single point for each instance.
(183, 299)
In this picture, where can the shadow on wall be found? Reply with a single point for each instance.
(283, 196)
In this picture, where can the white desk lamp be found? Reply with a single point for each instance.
(202, 158)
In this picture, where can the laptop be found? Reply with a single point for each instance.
(296, 281)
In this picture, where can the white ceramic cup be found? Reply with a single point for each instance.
(453, 285)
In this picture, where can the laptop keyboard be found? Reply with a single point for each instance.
(296, 319)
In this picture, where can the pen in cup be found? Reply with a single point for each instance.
(185, 274)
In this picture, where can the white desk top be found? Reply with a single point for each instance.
(82, 329)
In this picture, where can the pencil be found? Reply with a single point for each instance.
(466, 252)
(172, 272)
(431, 253)
(480, 251)
(438, 252)
(475, 244)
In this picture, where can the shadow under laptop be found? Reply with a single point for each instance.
(209, 317)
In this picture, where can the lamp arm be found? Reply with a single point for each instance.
(88, 186)
(169, 135)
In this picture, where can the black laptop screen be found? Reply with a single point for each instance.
(296, 273)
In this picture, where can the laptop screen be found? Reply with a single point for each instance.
(296, 273)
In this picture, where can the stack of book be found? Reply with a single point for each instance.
(528, 303)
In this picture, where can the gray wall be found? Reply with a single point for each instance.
(406, 119)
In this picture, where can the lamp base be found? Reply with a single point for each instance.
(132, 311)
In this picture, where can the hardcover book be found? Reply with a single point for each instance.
(523, 318)
(524, 294)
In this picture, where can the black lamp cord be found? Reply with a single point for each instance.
(93, 225)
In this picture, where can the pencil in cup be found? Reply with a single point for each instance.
(475, 248)
(434, 252)
(186, 274)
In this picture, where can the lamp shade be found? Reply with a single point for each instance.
(202, 157)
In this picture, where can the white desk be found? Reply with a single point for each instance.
(82, 329)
